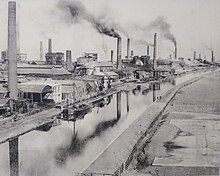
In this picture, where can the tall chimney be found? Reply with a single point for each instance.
(68, 60)
(175, 52)
(128, 48)
(199, 56)
(41, 50)
(12, 51)
(213, 60)
(154, 51)
(112, 56)
(148, 50)
(50, 46)
(118, 52)
(194, 55)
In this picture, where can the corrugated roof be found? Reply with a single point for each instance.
(43, 71)
(35, 88)
(98, 64)
(111, 73)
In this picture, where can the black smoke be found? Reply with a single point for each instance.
(163, 26)
(76, 11)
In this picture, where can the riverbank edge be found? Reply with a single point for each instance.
(117, 157)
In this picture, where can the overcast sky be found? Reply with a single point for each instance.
(194, 23)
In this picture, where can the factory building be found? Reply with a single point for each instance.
(56, 58)
(87, 58)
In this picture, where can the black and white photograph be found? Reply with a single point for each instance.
(109, 88)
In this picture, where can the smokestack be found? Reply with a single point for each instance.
(68, 60)
(148, 50)
(118, 52)
(175, 52)
(50, 46)
(194, 55)
(132, 53)
(213, 60)
(41, 50)
(112, 56)
(12, 51)
(199, 56)
(128, 48)
(154, 51)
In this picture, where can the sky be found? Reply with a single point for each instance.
(194, 23)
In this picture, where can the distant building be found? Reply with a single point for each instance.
(4, 56)
(54, 58)
(45, 71)
(87, 58)
(22, 57)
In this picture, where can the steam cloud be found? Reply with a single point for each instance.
(164, 27)
(77, 12)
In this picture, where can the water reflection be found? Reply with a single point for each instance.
(77, 145)
(13, 155)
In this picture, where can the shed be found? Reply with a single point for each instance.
(34, 92)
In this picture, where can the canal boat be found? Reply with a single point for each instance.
(76, 111)
(81, 109)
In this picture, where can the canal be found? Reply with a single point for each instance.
(71, 147)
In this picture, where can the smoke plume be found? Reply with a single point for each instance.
(143, 42)
(206, 46)
(164, 28)
(77, 12)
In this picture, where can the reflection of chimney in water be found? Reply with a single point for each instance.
(128, 48)
(118, 52)
(12, 51)
(50, 46)
(112, 56)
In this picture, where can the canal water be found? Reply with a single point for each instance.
(72, 146)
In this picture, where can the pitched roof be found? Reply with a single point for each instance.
(35, 88)
(42, 70)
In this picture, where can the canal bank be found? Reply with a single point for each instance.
(116, 158)
(187, 141)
